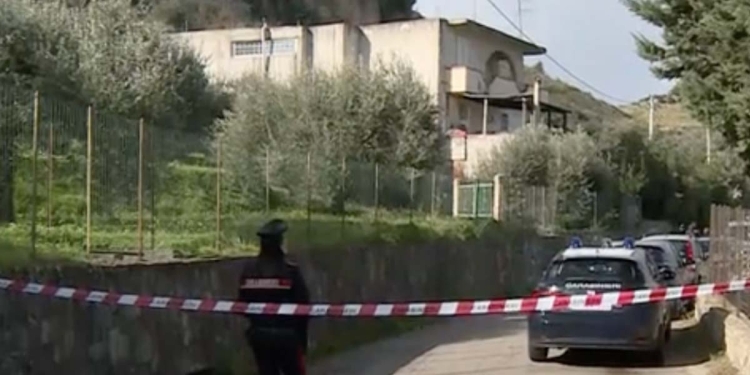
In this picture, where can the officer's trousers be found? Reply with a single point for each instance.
(277, 352)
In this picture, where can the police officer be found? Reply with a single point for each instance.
(278, 342)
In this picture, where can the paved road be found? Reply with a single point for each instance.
(497, 345)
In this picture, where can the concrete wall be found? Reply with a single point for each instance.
(45, 336)
(215, 47)
(414, 42)
(338, 45)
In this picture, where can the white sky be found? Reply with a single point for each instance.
(592, 38)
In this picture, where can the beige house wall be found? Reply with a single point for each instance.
(414, 42)
(450, 57)
(215, 47)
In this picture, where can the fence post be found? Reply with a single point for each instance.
(218, 191)
(475, 211)
(89, 163)
(377, 190)
(544, 206)
(308, 174)
(412, 176)
(34, 156)
(433, 191)
(140, 186)
(456, 192)
(152, 182)
(496, 205)
(343, 195)
(50, 170)
(268, 180)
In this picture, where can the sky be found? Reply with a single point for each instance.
(591, 38)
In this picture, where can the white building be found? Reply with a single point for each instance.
(475, 73)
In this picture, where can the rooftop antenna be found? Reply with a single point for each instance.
(521, 11)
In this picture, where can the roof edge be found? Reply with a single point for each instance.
(530, 49)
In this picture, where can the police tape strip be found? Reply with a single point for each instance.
(603, 301)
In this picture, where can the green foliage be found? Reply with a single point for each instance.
(537, 157)
(617, 164)
(312, 130)
(705, 47)
(182, 217)
(110, 54)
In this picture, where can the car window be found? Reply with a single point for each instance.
(681, 246)
(661, 256)
(705, 245)
(605, 273)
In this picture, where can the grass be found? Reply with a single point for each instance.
(197, 239)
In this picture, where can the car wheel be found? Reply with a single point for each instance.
(538, 354)
(656, 357)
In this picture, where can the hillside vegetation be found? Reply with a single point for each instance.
(669, 113)
(589, 112)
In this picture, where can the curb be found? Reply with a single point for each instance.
(729, 327)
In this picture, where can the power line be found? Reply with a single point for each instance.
(554, 61)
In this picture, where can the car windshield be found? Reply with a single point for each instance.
(602, 273)
(660, 256)
(681, 245)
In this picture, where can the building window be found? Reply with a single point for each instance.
(504, 122)
(273, 47)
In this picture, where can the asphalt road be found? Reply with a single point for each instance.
(497, 345)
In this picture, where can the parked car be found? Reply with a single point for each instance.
(666, 261)
(705, 243)
(574, 271)
(691, 257)
(691, 253)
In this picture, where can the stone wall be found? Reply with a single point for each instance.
(39, 335)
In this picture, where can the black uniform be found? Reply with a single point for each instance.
(279, 342)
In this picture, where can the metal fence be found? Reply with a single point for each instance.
(535, 203)
(73, 178)
(729, 254)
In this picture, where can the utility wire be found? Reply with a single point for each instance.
(554, 61)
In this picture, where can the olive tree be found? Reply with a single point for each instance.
(107, 53)
(324, 121)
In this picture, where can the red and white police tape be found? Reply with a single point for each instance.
(603, 301)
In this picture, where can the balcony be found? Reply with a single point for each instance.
(465, 80)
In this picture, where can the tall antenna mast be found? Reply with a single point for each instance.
(520, 16)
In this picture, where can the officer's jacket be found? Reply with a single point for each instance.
(275, 280)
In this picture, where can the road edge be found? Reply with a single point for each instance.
(729, 328)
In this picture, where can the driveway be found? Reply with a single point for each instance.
(497, 345)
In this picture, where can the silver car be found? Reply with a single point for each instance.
(639, 327)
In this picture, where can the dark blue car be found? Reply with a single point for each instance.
(639, 327)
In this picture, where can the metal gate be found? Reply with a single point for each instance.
(475, 199)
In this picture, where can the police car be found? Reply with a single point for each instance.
(586, 270)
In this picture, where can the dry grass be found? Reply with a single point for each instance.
(667, 115)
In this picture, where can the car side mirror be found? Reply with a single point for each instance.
(667, 274)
